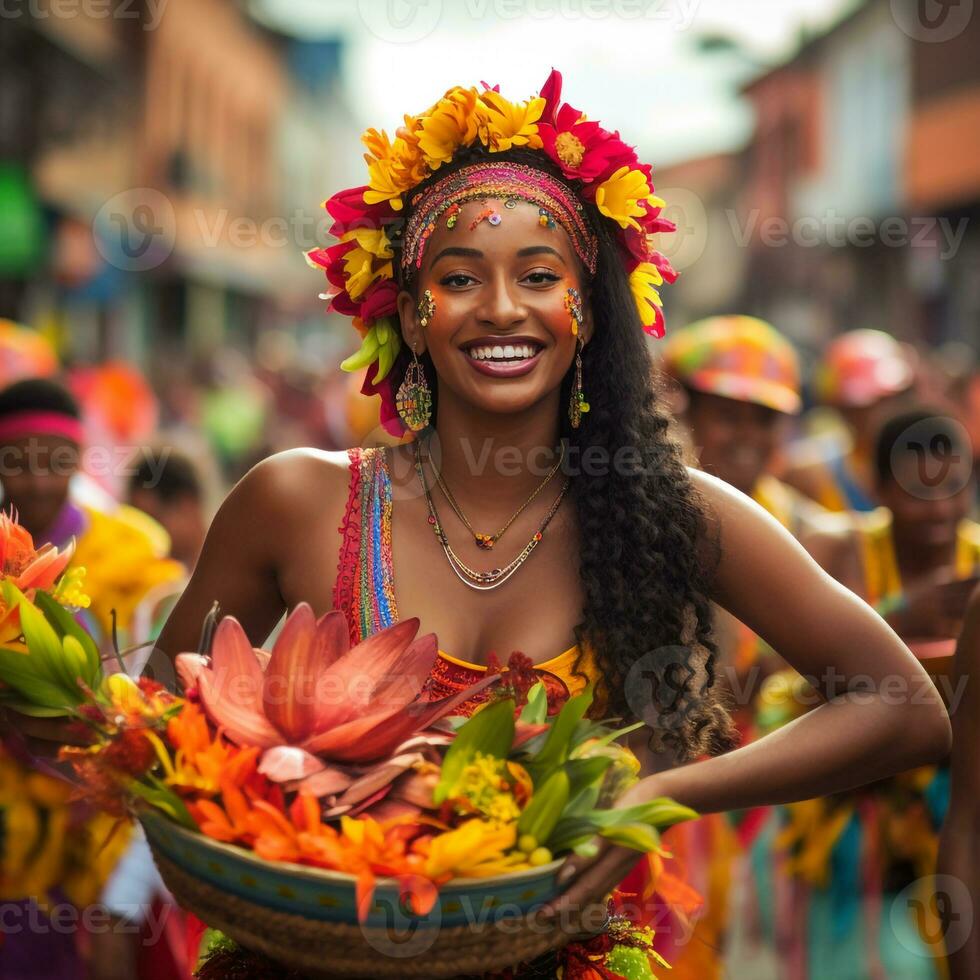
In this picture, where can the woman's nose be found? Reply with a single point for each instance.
(502, 306)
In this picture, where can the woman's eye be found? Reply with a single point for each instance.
(456, 279)
(541, 277)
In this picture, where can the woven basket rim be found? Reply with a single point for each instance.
(311, 873)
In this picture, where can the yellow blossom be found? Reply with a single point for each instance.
(505, 124)
(620, 196)
(476, 849)
(70, 590)
(452, 122)
(394, 166)
(643, 282)
(483, 787)
(361, 264)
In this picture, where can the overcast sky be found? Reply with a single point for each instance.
(635, 65)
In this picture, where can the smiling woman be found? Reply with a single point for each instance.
(499, 268)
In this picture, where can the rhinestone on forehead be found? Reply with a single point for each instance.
(509, 181)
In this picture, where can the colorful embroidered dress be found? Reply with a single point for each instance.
(365, 586)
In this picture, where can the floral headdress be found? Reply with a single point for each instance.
(369, 220)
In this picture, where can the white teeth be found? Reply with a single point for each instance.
(498, 352)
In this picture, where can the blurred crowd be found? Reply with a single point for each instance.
(868, 459)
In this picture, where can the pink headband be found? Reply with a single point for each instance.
(510, 181)
(41, 423)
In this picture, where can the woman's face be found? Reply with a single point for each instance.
(501, 337)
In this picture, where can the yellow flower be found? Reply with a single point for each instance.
(361, 265)
(476, 849)
(452, 122)
(619, 197)
(394, 166)
(483, 786)
(70, 590)
(504, 124)
(643, 282)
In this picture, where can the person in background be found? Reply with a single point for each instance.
(166, 485)
(62, 852)
(861, 375)
(740, 385)
(916, 559)
(958, 863)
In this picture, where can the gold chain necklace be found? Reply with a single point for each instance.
(482, 581)
(487, 541)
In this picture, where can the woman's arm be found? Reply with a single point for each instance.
(262, 525)
(959, 843)
(880, 712)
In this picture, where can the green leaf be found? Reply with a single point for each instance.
(18, 672)
(490, 731)
(557, 745)
(570, 832)
(638, 836)
(536, 710)
(43, 643)
(660, 813)
(67, 625)
(34, 710)
(165, 800)
(542, 814)
(587, 772)
(587, 849)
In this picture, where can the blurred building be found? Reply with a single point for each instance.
(174, 155)
(855, 201)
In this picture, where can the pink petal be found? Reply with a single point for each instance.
(389, 809)
(416, 788)
(374, 736)
(379, 776)
(241, 723)
(189, 667)
(328, 782)
(289, 691)
(346, 687)
(235, 672)
(284, 762)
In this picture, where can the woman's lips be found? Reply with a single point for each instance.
(503, 369)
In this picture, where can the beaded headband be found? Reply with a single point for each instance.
(509, 181)
(600, 170)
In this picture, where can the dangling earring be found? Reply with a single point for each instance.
(426, 308)
(414, 397)
(577, 405)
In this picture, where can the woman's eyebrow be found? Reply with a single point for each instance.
(539, 250)
(458, 250)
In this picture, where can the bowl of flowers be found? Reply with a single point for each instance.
(312, 804)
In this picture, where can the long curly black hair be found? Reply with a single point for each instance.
(646, 558)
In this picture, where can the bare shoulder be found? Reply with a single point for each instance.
(289, 489)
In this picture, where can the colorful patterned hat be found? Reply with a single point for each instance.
(591, 166)
(860, 367)
(738, 357)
